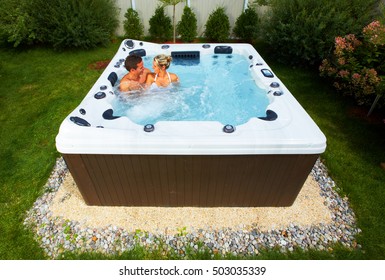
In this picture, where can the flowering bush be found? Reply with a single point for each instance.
(375, 33)
(357, 66)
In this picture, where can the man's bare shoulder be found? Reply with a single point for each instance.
(126, 84)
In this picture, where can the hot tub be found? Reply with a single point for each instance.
(117, 162)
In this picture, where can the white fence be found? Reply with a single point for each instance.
(201, 8)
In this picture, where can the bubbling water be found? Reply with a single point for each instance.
(218, 88)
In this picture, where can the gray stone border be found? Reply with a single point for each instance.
(57, 235)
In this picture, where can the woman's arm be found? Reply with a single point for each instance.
(174, 78)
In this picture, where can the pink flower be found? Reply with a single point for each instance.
(353, 41)
(371, 76)
(343, 73)
(375, 33)
(340, 45)
(374, 25)
(347, 43)
(356, 65)
(341, 61)
(326, 69)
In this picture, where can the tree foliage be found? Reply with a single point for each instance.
(303, 31)
(132, 25)
(160, 25)
(187, 27)
(218, 26)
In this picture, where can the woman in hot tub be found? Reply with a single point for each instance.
(161, 79)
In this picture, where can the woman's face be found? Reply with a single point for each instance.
(156, 67)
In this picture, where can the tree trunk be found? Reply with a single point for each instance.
(173, 23)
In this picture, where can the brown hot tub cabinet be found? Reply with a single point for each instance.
(116, 162)
(190, 180)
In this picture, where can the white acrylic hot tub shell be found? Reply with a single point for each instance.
(293, 132)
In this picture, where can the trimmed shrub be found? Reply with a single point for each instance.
(303, 31)
(247, 25)
(132, 25)
(75, 23)
(160, 25)
(187, 27)
(218, 26)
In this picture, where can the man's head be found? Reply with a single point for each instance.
(134, 62)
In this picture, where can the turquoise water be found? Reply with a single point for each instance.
(218, 88)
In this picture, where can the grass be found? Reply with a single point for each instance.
(40, 87)
(355, 149)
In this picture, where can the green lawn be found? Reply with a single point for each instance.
(39, 87)
(355, 149)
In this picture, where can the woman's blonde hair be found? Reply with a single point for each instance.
(163, 60)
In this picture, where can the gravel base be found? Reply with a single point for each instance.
(57, 234)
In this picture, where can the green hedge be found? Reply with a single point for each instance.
(303, 31)
(59, 23)
(17, 27)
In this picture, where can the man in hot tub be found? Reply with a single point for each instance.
(136, 77)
